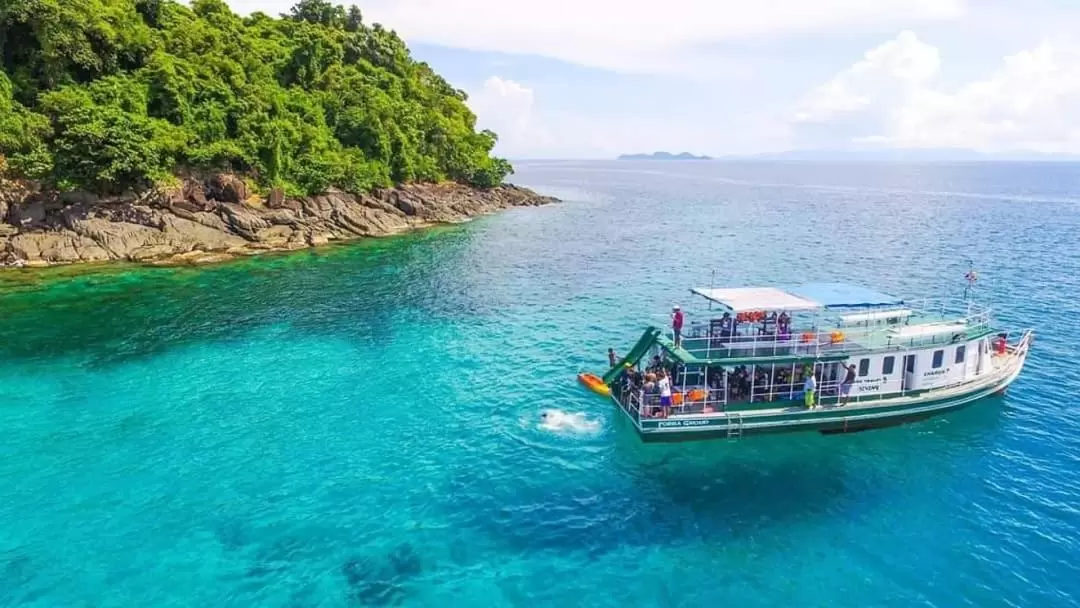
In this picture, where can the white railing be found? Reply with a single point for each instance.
(753, 339)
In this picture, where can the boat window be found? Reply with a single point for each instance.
(910, 364)
(939, 358)
(887, 365)
(864, 367)
(960, 353)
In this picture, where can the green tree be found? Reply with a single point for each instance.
(112, 95)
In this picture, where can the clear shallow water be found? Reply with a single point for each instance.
(360, 425)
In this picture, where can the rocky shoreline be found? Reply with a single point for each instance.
(215, 219)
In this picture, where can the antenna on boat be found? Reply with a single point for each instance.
(970, 276)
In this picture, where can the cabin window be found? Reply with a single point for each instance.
(864, 367)
(939, 358)
(960, 352)
(910, 364)
(887, 365)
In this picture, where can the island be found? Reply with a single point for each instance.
(663, 156)
(181, 132)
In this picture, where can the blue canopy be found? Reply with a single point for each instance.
(843, 295)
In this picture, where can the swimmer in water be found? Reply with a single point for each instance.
(555, 420)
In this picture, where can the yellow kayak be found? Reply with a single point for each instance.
(594, 383)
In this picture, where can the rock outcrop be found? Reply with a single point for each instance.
(215, 219)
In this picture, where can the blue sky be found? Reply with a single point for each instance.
(595, 78)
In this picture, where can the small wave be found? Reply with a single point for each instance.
(558, 421)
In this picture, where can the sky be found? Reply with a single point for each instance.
(580, 79)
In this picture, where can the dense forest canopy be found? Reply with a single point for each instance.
(113, 95)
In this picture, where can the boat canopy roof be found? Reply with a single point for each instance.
(812, 296)
(745, 299)
(844, 295)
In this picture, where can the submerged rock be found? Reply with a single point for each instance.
(213, 220)
(381, 582)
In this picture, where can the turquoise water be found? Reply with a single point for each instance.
(359, 425)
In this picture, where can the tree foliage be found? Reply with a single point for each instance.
(112, 95)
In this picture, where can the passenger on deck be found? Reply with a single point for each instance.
(809, 388)
(676, 324)
(768, 324)
(846, 384)
(1001, 345)
(656, 365)
(783, 382)
(664, 385)
(649, 387)
(783, 326)
(727, 326)
(761, 384)
(739, 383)
(612, 359)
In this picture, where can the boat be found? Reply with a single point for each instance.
(740, 365)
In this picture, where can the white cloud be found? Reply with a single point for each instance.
(506, 107)
(894, 97)
(627, 35)
(892, 71)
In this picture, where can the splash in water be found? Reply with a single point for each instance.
(562, 422)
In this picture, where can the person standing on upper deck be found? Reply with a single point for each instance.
(846, 384)
(726, 326)
(676, 324)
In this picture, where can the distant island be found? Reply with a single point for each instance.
(663, 156)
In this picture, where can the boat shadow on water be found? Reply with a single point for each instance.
(721, 492)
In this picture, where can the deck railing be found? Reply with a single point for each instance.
(641, 404)
(826, 336)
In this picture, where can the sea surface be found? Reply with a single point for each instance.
(360, 425)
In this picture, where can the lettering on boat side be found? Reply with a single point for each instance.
(868, 386)
(936, 372)
(678, 423)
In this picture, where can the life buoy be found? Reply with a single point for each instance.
(697, 395)
(836, 337)
(808, 336)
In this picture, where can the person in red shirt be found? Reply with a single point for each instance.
(676, 324)
(1001, 344)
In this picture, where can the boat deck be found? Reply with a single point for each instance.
(1003, 366)
(834, 341)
